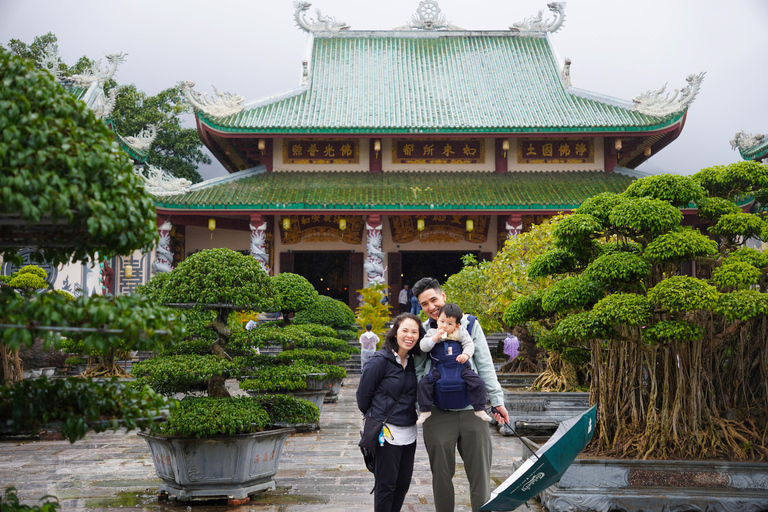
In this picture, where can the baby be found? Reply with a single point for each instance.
(449, 328)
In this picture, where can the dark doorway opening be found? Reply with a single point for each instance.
(327, 271)
(438, 264)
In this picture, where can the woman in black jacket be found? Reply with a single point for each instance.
(387, 393)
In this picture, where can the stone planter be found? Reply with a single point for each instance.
(541, 412)
(316, 397)
(607, 485)
(48, 371)
(220, 467)
(35, 373)
(333, 386)
(516, 380)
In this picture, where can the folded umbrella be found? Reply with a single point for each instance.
(547, 465)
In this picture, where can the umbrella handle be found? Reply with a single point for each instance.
(494, 411)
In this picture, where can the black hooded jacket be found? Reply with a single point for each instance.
(382, 382)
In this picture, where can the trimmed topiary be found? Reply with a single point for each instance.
(216, 416)
(326, 311)
(292, 293)
(683, 293)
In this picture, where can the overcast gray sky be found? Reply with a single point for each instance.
(253, 47)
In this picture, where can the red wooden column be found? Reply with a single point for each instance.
(374, 157)
(610, 154)
(501, 156)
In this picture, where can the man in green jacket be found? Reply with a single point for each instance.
(445, 430)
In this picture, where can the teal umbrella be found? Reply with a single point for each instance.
(547, 465)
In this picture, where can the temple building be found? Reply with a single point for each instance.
(751, 146)
(402, 150)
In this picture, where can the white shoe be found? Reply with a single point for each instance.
(482, 415)
(423, 417)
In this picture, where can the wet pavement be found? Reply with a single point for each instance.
(320, 471)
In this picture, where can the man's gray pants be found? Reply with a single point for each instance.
(444, 431)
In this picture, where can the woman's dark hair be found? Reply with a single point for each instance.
(390, 339)
(451, 310)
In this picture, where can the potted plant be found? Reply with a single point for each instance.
(215, 445)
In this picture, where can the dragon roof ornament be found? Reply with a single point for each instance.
(536, 24)
(144, 139)
(162, 183)
(226, 104)
(105, 104)
(743, 140)
(321, 24)
(658, 104)
(97, 74)
(50, 60)
(428, 17)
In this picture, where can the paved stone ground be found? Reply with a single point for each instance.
(320, 471)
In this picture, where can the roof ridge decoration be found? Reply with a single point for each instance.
(97, 74)
(225, 105)
(428, 17)
(144, 139)
(536, 25)
(159, 182)
(50, 60)
(743, 140)
(106, 104)
(658, 104)
(321, 24)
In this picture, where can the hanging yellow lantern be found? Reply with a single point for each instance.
(342, 223)
(128, 271)
(420, 224)
(211, 223)
(286, 223)
(470, 225)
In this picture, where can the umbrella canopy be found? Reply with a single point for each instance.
(548, 465)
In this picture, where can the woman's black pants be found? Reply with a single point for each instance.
(393, 468)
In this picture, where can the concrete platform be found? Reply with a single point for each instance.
(321, 471)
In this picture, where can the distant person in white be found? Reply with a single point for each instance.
(368, 342)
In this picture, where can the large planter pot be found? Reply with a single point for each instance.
(541, 412)
(316, 397)
(333, 386)
(220, 467)
(48, 371)
(607, 485)
(516, 380)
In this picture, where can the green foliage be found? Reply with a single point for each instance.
(466, 288)
(622, 309)
(176, 149)
(60, 163)
(579, 327)
(600, 205)
(219, 276)
(288, 409)
(737, 274)
(570, 294)
(326, 311)
(312, 355)
(553, 262)
(668, 331)
(27, 282)
(75, 360)
(645, 217)
(372, 311)
(618, 268)
(682, 293)
(735, 225)
(213, 416)
(680, 245)
(734, 181)
(712, 208)
(80, 405)
(742, 305)
(624, 246)
(288, 377)
(11, 503)
(292, 293)
(576, 231)
(523, 309)
(182, 373)
(746, 255)
(673, 188)
(345, 334)
(322, 342)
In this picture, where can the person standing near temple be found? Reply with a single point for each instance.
(445, 430)
(368, 342)
(402, 299)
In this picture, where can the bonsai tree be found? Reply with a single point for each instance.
(69, 192)
(654, 335)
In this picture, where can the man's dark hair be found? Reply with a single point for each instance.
(427, 283)
(368, 327)
(390, 339)
(451, 310)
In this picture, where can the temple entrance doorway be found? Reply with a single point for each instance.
(440, 265)
(327, 271)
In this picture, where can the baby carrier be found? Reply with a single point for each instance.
(450, 389)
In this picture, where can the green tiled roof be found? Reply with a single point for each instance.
(393, 191)
(757, 152)
(396, 82)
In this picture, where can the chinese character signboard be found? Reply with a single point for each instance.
(439, 228)
(323, 228)
(442, 151)
(569, 150)
(321, 151)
